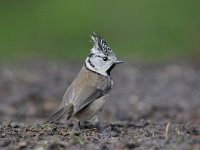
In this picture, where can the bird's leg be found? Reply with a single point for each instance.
(77, 127)
(97, 124)
(99, 127)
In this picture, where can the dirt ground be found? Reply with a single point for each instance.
(150, 107)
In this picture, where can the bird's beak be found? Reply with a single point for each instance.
(118, 62)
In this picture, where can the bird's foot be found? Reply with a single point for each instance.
(102, 130)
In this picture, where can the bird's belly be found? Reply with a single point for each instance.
(92, 109)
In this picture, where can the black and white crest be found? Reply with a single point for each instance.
(101, 45)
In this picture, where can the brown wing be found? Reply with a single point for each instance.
(86, 88)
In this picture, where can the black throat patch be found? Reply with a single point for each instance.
(109, 70)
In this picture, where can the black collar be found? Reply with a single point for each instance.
(109, 70)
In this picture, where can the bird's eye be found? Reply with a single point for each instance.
(105, 58)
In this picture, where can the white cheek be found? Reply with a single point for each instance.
(98, 65)
(102, 64)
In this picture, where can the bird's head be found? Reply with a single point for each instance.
(101, 59)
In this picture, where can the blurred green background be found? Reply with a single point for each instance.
(144, 30)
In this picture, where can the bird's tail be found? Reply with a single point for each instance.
(57, 116)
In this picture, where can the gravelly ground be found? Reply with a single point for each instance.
(151, 107)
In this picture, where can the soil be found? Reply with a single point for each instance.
(150, 107)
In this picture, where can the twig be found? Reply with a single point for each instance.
(167, 130)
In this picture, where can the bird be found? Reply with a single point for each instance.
(88, 92)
